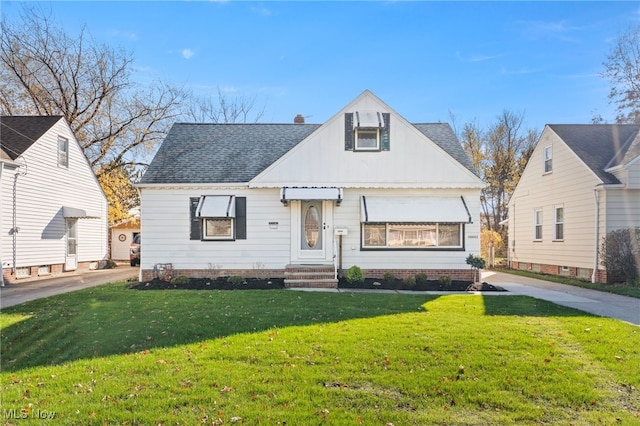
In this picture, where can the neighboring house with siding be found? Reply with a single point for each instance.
(53, 212)
(581, 182)
(366, 188)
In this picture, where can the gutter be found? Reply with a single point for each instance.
(597, 232)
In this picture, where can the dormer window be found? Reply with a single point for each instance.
(367, 131)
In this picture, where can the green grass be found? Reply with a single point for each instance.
(109, 355)
(621, 289)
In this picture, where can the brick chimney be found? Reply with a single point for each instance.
(298, 119)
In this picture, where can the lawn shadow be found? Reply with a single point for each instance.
(112, 320)
(523, 306)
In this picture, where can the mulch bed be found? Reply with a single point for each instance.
(223, 283)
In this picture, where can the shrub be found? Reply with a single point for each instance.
(180, 280)
(445, 281)
(620, 254)
(409, 282)
(389, 277)
(236, 280)
(421, 277)
(110, 264)
(355, 275)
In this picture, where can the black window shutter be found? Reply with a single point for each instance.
(241, 218)
(196, 222)
(348, 131)
(384, 137)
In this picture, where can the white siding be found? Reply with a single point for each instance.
(413, 160)
(571, 185)
(165, 219)
(43, 189)
(633, 174)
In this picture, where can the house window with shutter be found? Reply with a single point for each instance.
(218, 218)
(367, 131)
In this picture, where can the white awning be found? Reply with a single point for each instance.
(414, 209)
(324, 193)
(74, 213)
(368, 119)
(216, 206)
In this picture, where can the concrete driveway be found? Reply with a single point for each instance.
(24, 291)
(595, 302)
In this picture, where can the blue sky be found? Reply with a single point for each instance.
(424, 59)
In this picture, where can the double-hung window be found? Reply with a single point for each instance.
(537, 224)
(63, 152)
(548, 159)
(559, 223)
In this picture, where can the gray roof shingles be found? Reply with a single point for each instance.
(233, 153)
(599, 146)
(19, 132)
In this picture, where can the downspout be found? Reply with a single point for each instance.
(597, 235)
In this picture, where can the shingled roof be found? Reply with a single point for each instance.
(232, 153)
(600, 146)
(19, 132)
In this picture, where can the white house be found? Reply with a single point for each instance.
(581, 182)
(53, 213)
(366, 188)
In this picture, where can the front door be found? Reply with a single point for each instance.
(313, 220)
(71, 259)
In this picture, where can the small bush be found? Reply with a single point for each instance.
(110, 264)
(409, 282)
(620, 254)
(421, 277)
(180, 280)
(236, 280)
(445, 281)
(355, 275)
(389, 277)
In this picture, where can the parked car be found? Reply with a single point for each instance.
(134, 251)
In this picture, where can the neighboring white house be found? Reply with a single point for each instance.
(366, 188)
(53, 213)
(582, 182)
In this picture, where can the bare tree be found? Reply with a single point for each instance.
(622, 69)
(507, 153)
(46, 71)
(221, 108)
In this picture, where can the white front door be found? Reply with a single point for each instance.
(71, 258)
(312, 224)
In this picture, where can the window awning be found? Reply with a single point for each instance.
(216, 206)
(368, 119)
(414, 209)
(74, 213)
(324, 193)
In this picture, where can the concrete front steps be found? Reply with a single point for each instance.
(310, 276)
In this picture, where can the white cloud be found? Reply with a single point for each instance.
(187, 53)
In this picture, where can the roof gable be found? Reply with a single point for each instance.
(277, 154)
(18, 133)
(600, 146)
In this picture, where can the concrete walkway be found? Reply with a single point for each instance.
(595, 302)
(24, 291)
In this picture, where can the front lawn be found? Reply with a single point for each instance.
(110, 355)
